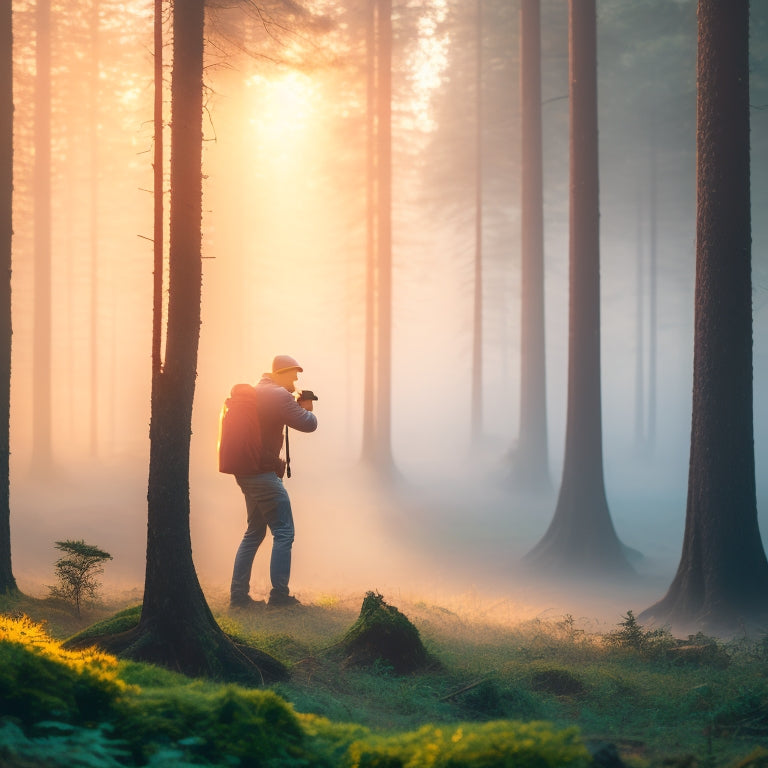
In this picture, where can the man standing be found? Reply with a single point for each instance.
(266, 500)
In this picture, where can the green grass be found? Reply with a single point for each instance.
(532, 693)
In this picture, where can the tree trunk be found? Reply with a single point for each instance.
(384, 244)
(7, 581)
(653, 281)
(177, 628)
(721, 583)
(476, 420)
(158, 230)
(93, 88)
(640, 329)
(581, 537)
(531, 460)
(368, 450)
(42, 458)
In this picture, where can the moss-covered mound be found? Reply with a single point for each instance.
(39, 680)
(117, 635)
(382, 634)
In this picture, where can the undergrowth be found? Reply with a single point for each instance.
(533, 694)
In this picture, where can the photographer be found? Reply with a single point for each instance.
(266, 500)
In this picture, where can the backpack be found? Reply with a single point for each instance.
(239, 446)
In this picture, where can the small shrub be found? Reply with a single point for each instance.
(76, 571)
(652, 643)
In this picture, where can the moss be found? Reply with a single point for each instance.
(500, 744)
(382, 638)
(122, 621)
(40, 680)
(555, 680)
(256, 727)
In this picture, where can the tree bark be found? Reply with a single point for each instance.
(384, 240)
(368, 450)
(581, 537)
(722, 580)
(653, 291)
(7, 580)
(93, 235)
(158, 230)
(42, 456)
(531, 460)
(177, 628)
(476, 419)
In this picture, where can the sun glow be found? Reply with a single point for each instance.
(282, 107)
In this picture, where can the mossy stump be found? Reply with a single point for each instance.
(382, 634)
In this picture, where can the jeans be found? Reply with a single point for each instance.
(267, 504)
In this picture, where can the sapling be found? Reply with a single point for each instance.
(77, 570)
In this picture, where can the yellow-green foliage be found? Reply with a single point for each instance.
(501, 744)
(227, 725)
(255, 727)
(39, 679)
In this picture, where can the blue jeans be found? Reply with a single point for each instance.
(267, 505)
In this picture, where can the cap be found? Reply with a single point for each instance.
(285, 363)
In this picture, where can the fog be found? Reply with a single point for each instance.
(284, 272)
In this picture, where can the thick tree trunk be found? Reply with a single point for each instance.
(7, 581)
(176, 628)
(722, 580)
(531, 461)
(581, 537)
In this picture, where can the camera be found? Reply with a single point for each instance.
(306, 394)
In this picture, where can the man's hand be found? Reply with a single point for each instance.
(306, 404)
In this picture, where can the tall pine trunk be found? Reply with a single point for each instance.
(7, 581)
(581, 537)
(158, 230)
(722, 580)
(531, 461)
(640, 430)
(42, 456)
(171, 590)
(653, 290)
(384, 239)
(93, 93)
(476, 420)
(177, 628)
(368, 450)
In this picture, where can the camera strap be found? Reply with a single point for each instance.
(287, 454)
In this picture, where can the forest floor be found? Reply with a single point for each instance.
(626, 686)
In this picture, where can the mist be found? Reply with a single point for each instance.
(284, 273)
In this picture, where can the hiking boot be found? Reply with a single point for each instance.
(283, 601)
(245, 602)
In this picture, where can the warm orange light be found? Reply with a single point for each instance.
(282, 109)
